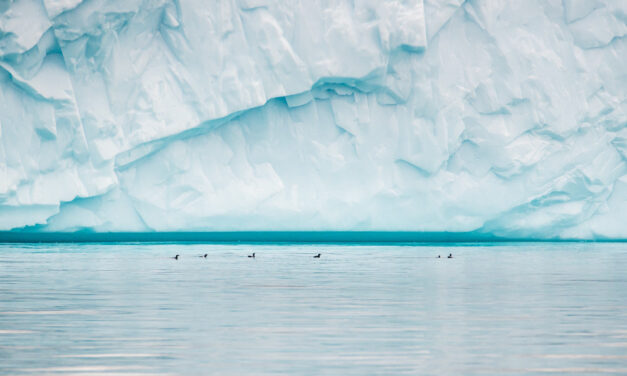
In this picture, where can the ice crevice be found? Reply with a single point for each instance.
(508, 118)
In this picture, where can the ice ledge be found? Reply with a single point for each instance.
(260, 237)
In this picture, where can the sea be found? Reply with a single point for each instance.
(517, 308)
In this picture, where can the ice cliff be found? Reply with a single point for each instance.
(503, 117)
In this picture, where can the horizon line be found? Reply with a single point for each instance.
(329, 237)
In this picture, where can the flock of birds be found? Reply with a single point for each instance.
(450, 255)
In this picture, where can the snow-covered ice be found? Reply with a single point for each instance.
(503, 117)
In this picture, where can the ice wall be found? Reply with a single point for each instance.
(503, 117)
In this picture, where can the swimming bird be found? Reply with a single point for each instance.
(176, 257)
(205, 255)
(252, 256)
(438, 256)
(317, 256)
(450, 255)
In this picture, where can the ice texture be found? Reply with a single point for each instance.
(507, 118)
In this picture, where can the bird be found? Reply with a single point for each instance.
(252, 256)
(438, 256)
(205, 255)
(450, 255)
(317, 256)
(176, 257)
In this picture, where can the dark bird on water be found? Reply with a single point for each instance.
(176, 257)
(438, 256)
(450, 255)
(205, 255)
(252, 256)
(317, 256)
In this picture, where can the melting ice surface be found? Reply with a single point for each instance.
(505, 117)
(515, 309)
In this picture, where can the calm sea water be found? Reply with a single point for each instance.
(129, 309)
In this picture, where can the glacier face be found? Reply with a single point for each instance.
(507, 118)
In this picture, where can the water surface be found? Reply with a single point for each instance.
(494, 309)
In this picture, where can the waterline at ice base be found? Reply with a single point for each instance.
(505, 118)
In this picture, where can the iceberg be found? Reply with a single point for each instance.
(504, 118)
